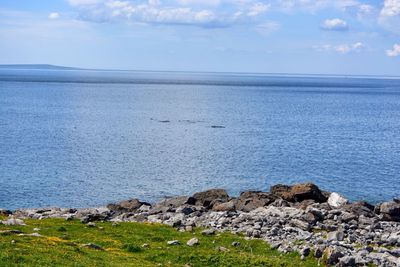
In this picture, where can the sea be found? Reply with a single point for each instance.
(80, 138)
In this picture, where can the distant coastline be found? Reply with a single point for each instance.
(277, 74)
(35, 67)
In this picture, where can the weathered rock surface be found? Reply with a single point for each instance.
(299, 192)
(298, 218)
(335, 200)
(210, 197)
(390, 210)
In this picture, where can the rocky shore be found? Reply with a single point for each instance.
(298, 218)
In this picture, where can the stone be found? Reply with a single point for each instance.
(175, 202)
(173, 243)
(227, 206)
(94, 217)
(13, 221)
(185, 210)
(91, 224)
(303, 225)
(209, 197)
(304, 204)
(318, 252)
(5, 212)
(335, 200)
(130, 205)
(332, 256)
(193, 242)
(298, 192)
(222, 249)
(335, 236)
(10, 232)
(305, 251)
(93, 246)
(235, 244)
(390, 210)
(280, 203)
(310, 218)
(251, 200)
(144, 208)
(360, 208)
(347, 261)
(347, 216)
(208, 232)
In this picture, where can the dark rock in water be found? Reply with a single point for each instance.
(126, 205)
(210, 197)
(299, 192)
(390, 210)
(250, 200)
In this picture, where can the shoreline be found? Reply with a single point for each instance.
(299, 218)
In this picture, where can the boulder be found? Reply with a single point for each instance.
(210, 197)
(175, 202)
(5, 212)
(130, 205)
(390, 210)
(360, 208)
(250, 200)
(13, 221)
(335, 200)
(172, 204)
(193, 242)
(227, 206)
(173, 243)
(299, 192)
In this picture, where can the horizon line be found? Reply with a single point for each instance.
(40, 66)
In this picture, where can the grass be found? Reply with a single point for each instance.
(61, 244)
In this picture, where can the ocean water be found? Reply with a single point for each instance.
(87, 138)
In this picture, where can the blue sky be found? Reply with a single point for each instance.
(273, 36)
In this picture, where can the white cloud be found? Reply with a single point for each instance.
(395, 52)
(54, 15)
(341, 48)
(204, 13)
(84, 2)
(389, 17)
(334, 25)
(257, 9)
(199, 2)
(391, 8)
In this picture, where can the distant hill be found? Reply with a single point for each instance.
(35, 66)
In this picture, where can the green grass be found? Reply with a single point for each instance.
(61, 245)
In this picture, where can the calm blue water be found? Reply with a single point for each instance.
(86, 138)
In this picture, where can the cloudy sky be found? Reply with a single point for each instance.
(272, 36)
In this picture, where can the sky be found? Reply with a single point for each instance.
(347, 37)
